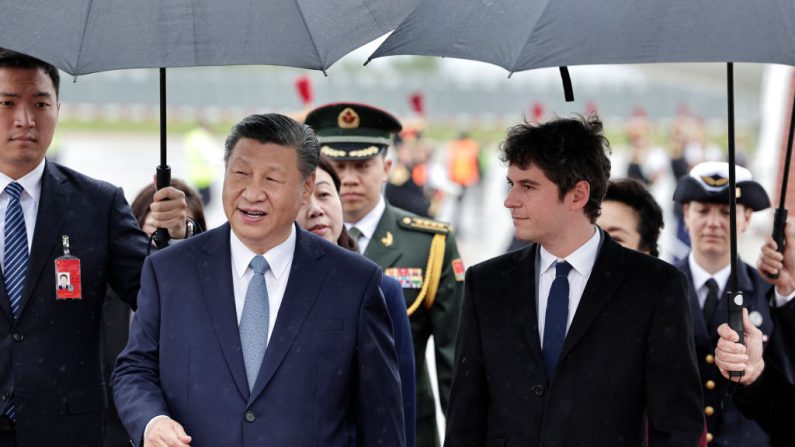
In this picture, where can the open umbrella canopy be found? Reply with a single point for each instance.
(85, 36)
(525, 34)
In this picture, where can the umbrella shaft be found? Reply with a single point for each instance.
(732, 178)
(163, 121)
(785, 178)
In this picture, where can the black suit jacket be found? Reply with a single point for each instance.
(50, 356)
(629, 349)
(771, 402)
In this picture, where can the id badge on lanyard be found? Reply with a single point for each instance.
(67, 274)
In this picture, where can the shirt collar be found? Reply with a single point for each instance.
(582, 260)
(369, 222)
(31, 181)
(278, 257)
(701, 276)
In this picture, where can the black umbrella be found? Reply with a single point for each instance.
(519, 35)
(86, 36)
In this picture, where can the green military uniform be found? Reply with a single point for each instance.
(420, 253)
(402, 245)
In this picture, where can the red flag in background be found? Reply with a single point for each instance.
(304, 87)
(591, 108)
(417, 103)
(537, 112)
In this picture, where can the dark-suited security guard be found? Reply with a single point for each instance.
(704, 195)
(420, 253)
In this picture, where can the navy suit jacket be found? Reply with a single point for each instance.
(329, 375)
(50, 356)
(396, 305)
(629, 349)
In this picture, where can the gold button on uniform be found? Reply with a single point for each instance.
(709, 411)
(709, 437)
(710, 359)
(710, 385)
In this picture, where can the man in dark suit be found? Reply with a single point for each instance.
(569, 341)
(704, 196)
(51, 381)
(258, 332)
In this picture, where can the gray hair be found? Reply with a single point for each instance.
(278, 129)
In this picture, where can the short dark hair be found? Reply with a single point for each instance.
(145, 198)
(13, 59)
(567, 150)
(278, 129)
(634, 194)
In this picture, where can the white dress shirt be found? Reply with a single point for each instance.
(700, 277)
(368, 224)
(280, 260)
(28, 200)
(582, 261)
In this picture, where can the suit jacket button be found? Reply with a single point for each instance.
(538, 390)
(250, 416)
(17, 336)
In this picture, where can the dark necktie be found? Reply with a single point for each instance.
(711, 303)
(556, 317)
(15, 258)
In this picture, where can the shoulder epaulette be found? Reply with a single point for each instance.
(426, 225)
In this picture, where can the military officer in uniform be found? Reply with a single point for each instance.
(704, 195)
(420, 253)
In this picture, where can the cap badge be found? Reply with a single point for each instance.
(715, 180)
(348, 119)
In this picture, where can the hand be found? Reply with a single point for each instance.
(166, 432)
(170, 211)
(771, 262)
(732, 356)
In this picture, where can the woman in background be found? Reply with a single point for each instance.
(322, 215)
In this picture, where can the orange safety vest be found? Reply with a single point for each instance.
(463, 161)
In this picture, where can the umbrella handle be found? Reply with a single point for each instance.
(736, 322)
(779, 224)
(163, 180)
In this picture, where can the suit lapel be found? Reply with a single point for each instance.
(385, 255)
(605, 279)
(303, 286)
(519, 282)
(215, 273)
(52, 211)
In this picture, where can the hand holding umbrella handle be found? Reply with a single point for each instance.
(736, 322)
(779, 223)
(163, 180)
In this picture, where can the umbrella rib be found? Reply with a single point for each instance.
(527, 39)
(83, 37)
(311, 36)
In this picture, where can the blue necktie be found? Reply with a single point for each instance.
(556, 317)
(254, 321)
(15, 258)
